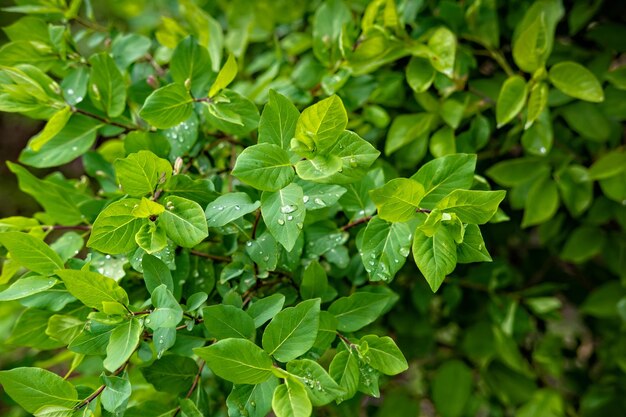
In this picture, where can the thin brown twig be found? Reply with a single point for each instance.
(219, 258)
(255, 224)
(355, 223)
(98, 391)
(127, 128)
(196, 380)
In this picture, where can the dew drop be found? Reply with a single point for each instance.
(249, 243)
(281, 221)
(70, 91)
(404, 252)
(305, 199)
(287, 208)
(220, 208)
(237, 207)
(319, 202)
(542, 150)
(290, 217)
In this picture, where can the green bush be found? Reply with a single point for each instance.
(255, 176)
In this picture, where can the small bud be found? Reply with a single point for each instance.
(188, 83)
(178, 165)
(152, 81)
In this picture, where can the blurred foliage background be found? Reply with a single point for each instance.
(541, 330)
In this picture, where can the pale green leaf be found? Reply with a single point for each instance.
(435, 255)
(139, 173)
(34, 388)
(576, 81)
(115, 228)
(398, 199)
(385, 248)
(123, 342)
(226, 75)
(92, 289)
(183, 221)
(290, 400)
(224, 321)
(511, 99)
(31, 253)
(320, 125)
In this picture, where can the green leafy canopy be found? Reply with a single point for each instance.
(255, 207)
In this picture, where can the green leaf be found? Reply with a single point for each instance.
(140, 172)
(167, 312)
(443, 142)
(172, 373)
(192, 62)
(61, 203)
(541, 203)
(419, 74)
(123, 342)
(544, 403)
(115, 228)
(320, 125)
(435, 255)
(406, 129)
(283, 213)
(293, 331)
(398, 199)
(473, 248)
(452, 387)
(73, 140)
(116, 393)
(184, 221)
(278, 121)
(319, 385)
(34, 388)
(290, 400)
(156, 273)
(264, 309)
(385, 248)
(537, 102)
(344, 369)
(321, 168)
(583, 243)
(31, 253)
(225, 321)
(576, 81)
(232, 113)
(237, 360)
(107, 88)
(441, 176)
(608, 165)
(264, 251)
(30, 330)
(93, 289)
(511, 99)
(383, 354)
(228, 208)
(151, 238)
(442, 45)
(314, 281)
(93, 339)
(264, 166)
(356, 155)
(167, 106)
(476, 207)
(26, 286)
(226, 75)
(358, 310)
(530, 48)
(251, 400)
(54, 126)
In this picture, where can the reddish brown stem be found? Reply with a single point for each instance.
(356, 223)
(211, 256)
